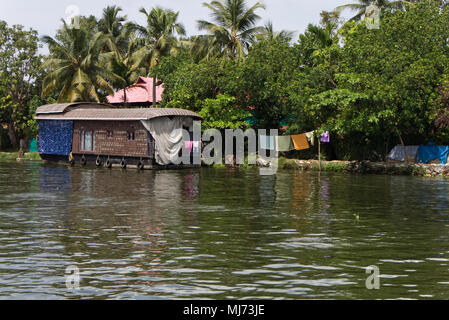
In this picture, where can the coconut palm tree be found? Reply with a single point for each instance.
(314, 40)
(157, 39)
(269, 34)
(361, 6)
(125, 69)
(114, 27)
(322, 36)
(203, 46)
(74, 68)
(233, 26)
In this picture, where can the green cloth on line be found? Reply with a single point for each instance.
(284, 143)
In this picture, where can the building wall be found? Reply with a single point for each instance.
(116, 145)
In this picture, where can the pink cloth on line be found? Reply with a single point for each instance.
(188, 145)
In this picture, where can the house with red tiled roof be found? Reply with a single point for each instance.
(140, 94)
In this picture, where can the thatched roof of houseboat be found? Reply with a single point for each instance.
(64, 107)
(103, 112)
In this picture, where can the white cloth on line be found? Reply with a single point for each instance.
(311, 137)
(267, 142)
(196, 147)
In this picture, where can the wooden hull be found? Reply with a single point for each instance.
(104, 161)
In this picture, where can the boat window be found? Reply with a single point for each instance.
(81, 140)
(110, 134)
(87, 141)
(131, 135)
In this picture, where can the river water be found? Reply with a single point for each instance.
(220, 234)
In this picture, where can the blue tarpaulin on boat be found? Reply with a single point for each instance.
(55, 137)
(432, 152)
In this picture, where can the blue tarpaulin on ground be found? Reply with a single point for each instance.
(55, 137)
(432, 152)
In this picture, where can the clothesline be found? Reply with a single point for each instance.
(292, 142)
(192, 146)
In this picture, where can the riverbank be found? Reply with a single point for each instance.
(29, 156)
(366, 167)
(354, 167)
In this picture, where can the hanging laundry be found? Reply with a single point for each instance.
(311, 137)
(196, 147)
(300, 142)
(188, 145)
(267, 142)
(284, 143)
(325, 137)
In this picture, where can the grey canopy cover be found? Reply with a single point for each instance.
(168, 137)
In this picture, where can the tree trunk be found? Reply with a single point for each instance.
(25, 144)
(13, 135)
(403, 147)
(124, 98)
(319, 155)
(154, 92)
(387, 149)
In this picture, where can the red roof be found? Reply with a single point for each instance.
(141, 92)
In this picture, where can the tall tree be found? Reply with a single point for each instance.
(113, 26)
(322, 37)
(389, 82)
(204, 47)
(88, 23)
(74, 68)
(20, 77)
(126, 71)
(233, 26)
(269, 34)
(157, 39)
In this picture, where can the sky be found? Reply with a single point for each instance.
(45, 15)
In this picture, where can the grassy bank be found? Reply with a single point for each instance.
(29, 156)
(366, 167)
(358, 167)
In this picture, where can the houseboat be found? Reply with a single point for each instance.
(104, 135)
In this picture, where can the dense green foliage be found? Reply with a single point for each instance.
(387, 81)
(20, 78)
